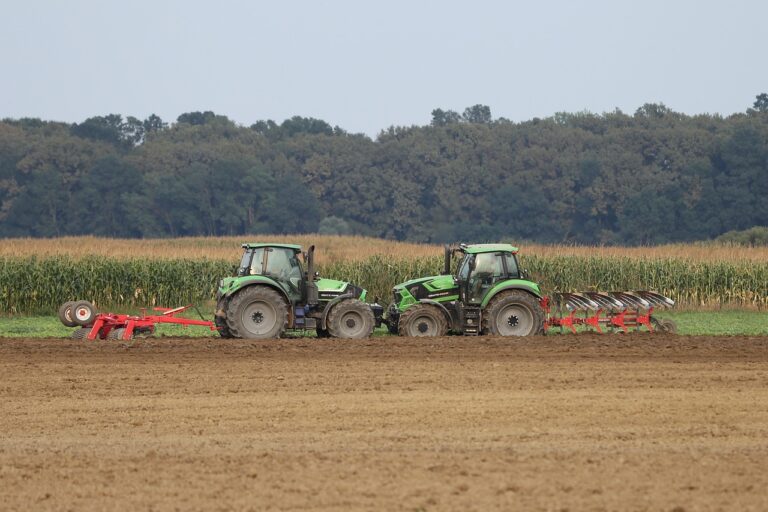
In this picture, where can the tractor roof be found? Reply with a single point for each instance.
(478, 248)
(295, 247)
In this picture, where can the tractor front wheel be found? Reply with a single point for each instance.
(257, 312)
(422, 320)
(513, 313)
(351, 319)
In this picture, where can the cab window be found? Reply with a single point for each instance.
(257, 263)
(512, 271)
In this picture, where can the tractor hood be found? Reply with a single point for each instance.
(329, 289)
(433, 282)
(438, 288)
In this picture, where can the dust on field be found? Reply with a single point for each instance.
(564, 422)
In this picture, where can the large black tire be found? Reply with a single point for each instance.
(65, 314)
(220, 322)
(350, 319)
(83, 312)
(423, 320)
(513, 313)
(257, 312)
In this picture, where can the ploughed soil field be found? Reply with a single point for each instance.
(577, 422)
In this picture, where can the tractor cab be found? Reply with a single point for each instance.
(482, 267)
(278, 262)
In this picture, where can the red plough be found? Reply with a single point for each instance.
(616, 311)
(94, 325)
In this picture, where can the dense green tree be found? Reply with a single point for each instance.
(480, 114)
(654, 176)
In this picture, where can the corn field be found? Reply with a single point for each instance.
(38, 285)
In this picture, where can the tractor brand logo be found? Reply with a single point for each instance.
(441, 294)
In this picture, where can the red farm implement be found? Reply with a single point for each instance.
(112, 326)
(612, 311)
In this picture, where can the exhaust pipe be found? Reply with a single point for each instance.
(447, 265)
(312, 293)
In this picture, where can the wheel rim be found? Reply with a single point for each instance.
(514, 320)
(82, 314)
(352, 324)
(423, 325)
(259, 317)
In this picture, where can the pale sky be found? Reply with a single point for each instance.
(368, 65)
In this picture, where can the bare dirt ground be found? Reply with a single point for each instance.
(582, 422)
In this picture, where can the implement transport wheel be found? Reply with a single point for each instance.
(83, 312)
(668, 325)
(351, 319)
(422, 320)
(65, 314)
(513, 313)
(322, 333)
(81, 333)
(257, 312)
(664, 325)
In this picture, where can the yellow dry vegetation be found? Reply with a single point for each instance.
(331, 248)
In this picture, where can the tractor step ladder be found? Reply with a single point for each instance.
(471, 318)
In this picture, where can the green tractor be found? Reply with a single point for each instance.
(488, 294)
(271, 292)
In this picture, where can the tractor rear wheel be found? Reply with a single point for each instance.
(513, 313)
(220, 321)
(65, 314)
(350, 319)
(221, 325)
(422, 320)
(257, 312)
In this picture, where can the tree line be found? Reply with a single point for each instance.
(653, 176)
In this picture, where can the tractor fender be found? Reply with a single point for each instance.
(442, 308)
(246, 283)
(519, 285)
(323, 324)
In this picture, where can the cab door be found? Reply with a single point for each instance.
(283, 266)
(486, 270)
